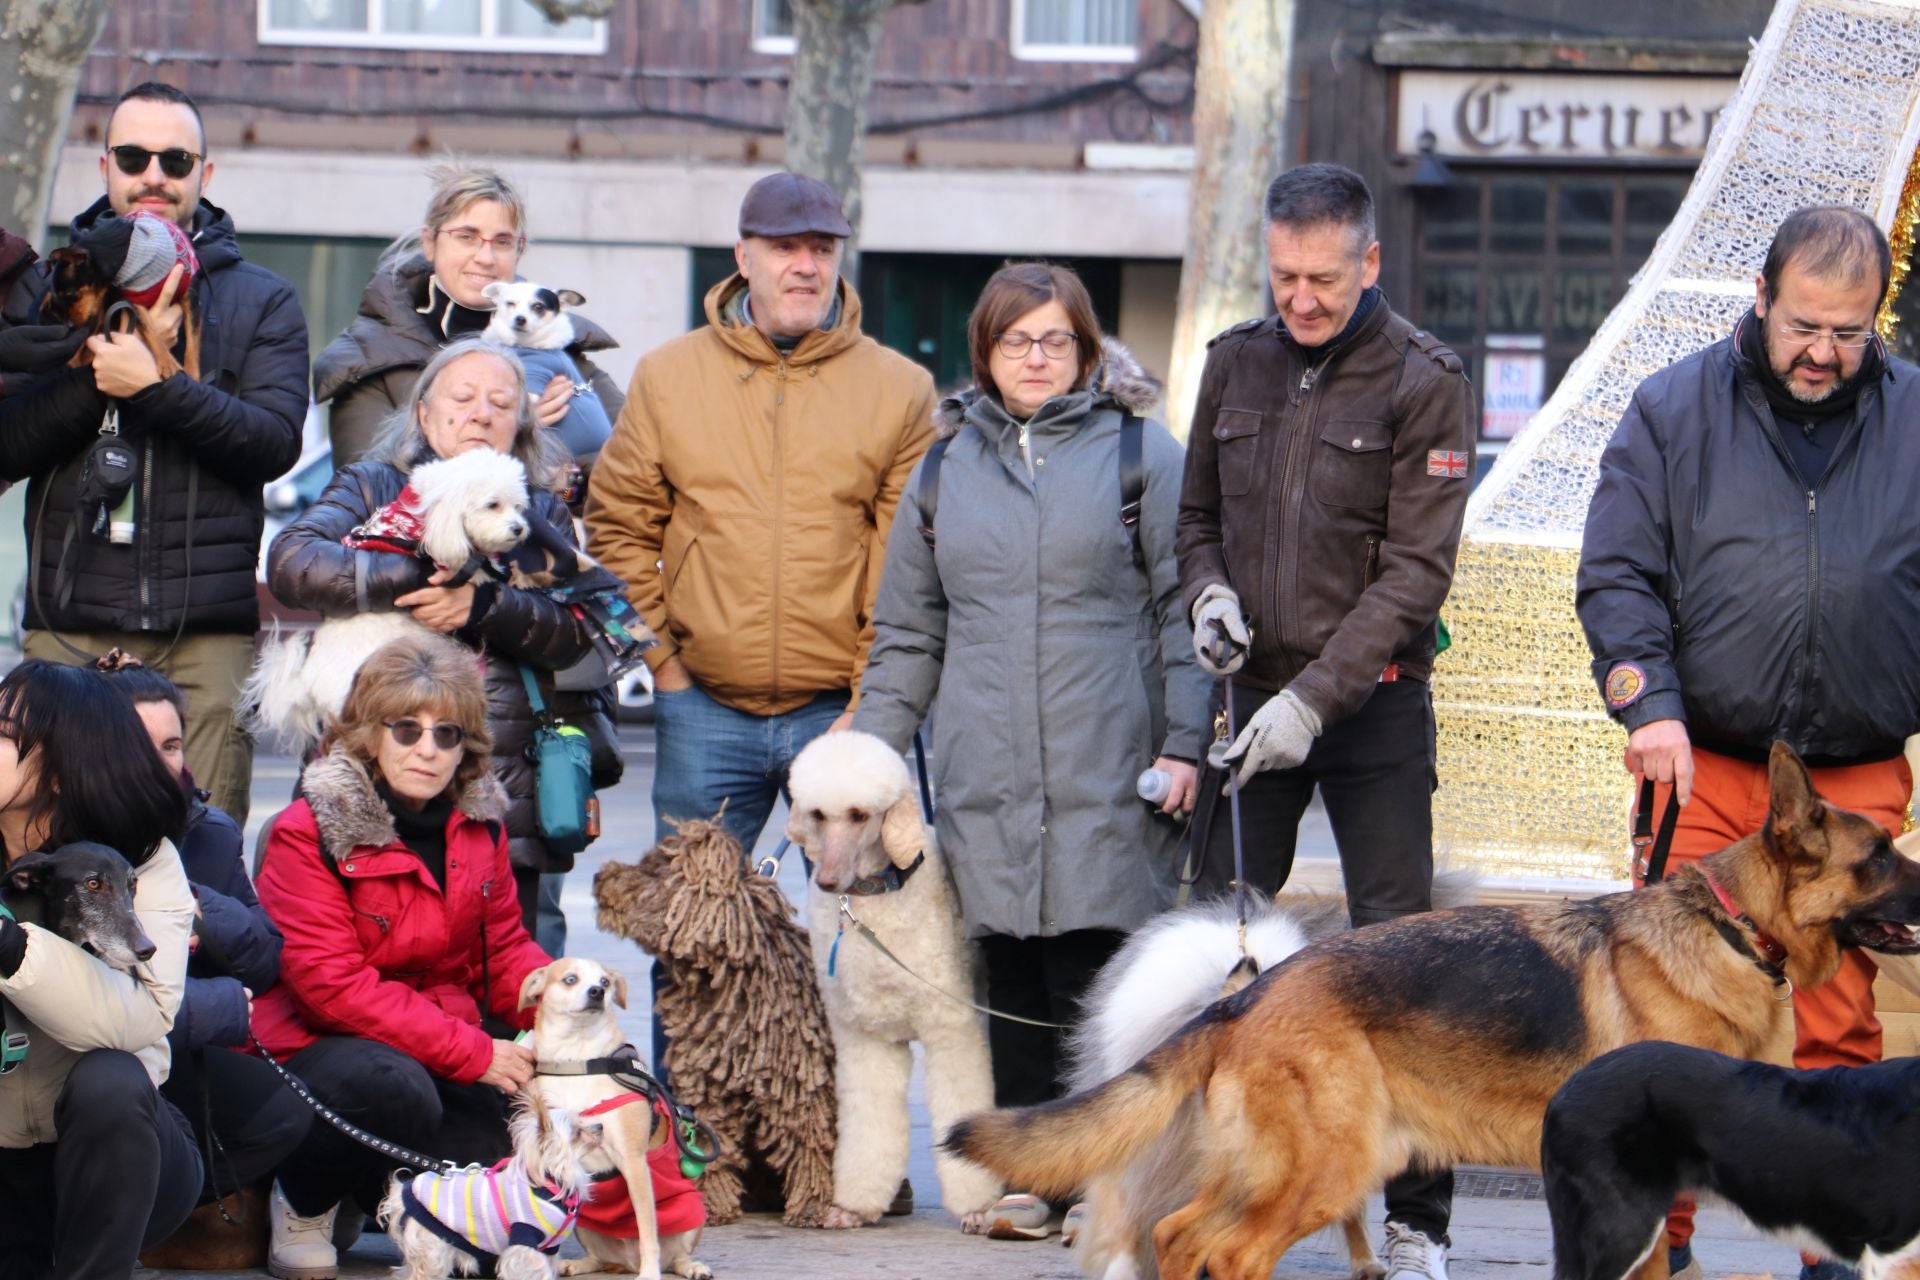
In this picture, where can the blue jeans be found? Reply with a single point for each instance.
(707, 754)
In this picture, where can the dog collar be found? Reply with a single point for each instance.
(1773, 957)
(889, 881)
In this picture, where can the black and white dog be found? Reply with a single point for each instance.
(1826, 1159)
(533, 320)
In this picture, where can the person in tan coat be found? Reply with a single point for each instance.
(745, 498)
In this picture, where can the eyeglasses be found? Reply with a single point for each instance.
(175, 162)
(1054, 345)
(407, 732)
(470, 238)
(1846, 338)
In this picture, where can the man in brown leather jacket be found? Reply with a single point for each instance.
(1327, 477)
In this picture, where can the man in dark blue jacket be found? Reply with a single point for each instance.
(1751, 572)
(170, 578)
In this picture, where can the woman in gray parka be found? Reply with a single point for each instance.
(1062, 661)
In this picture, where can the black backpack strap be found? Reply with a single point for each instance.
(1133, 480)
(928, 494)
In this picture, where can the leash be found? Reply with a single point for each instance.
(1653, 868)
(392, 1150)
(848, 918)
(1239, 853)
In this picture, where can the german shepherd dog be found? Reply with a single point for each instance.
(1833, 1155)
(1438, 1039)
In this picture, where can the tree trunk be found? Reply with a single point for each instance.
(42, 46)
(834, 46)
(1241, 81)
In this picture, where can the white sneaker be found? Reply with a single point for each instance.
(1411, 1255)
(300, 1248)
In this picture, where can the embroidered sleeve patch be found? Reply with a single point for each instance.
(1448, 463)
(1625, 683)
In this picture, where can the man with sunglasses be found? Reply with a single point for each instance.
(185, 523)
(1748, 575)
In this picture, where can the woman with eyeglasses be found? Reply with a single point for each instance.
(422, 297)
(471, 395)
(404, 953)
(95, 1164)
(1051, 631)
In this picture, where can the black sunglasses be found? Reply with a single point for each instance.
(407, 732)
(175, 162)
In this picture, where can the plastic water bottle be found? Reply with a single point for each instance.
(1153, 786)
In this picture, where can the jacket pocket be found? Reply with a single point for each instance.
(1353, 464)
(1238, 434)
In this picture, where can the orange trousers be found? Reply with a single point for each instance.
(1834, 1024)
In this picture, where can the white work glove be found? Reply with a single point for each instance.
(1220, 639)
(1278, 737)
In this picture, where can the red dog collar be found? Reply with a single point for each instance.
(1771, 951)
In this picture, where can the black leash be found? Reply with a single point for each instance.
(392, 1150)
(1653, 868)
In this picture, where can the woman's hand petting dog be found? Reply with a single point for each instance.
(553, 401)
(444, 609)
(511, 1068)
(124, 363)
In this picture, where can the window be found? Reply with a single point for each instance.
(484, 26)
(1516, 270)
(772, 26)
(1074, 30)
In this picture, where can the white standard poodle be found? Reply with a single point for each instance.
(856, 815)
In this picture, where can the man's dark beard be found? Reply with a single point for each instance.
(1841, 382)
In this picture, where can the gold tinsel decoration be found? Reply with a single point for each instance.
(1900, 235)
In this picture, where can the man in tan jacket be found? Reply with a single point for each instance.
(745, 498)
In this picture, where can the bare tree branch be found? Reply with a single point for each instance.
(558, 11)
(42, 46)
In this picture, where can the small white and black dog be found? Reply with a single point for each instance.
(452, 510)
(515, 1215)
(531, 315)
(533, 320)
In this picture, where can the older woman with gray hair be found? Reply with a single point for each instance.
(470, 395)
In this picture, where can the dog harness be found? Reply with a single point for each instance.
(486, 1211)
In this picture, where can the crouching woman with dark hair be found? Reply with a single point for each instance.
(94, 1163)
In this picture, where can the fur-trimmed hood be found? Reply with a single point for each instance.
(1118, 382)
(351, 815)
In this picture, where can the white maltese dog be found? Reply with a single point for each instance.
(457, 513)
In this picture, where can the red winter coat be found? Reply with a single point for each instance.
(374, 948)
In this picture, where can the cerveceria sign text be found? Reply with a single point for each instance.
(1491, 114)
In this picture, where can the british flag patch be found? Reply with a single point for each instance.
(1445, 462)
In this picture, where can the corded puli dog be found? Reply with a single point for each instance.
(856, 814)
(749, 1049)
(1828, 1159)
(1438, 1039)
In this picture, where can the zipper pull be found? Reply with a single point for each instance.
(1812, 502)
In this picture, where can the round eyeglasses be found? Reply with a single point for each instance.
(407, 732)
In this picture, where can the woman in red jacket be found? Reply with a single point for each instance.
(389, 878)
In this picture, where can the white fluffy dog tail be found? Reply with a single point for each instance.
(276, 701)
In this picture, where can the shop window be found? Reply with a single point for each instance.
(773, 26)
(487, 26)
(1517, 270)
(1074, 30)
